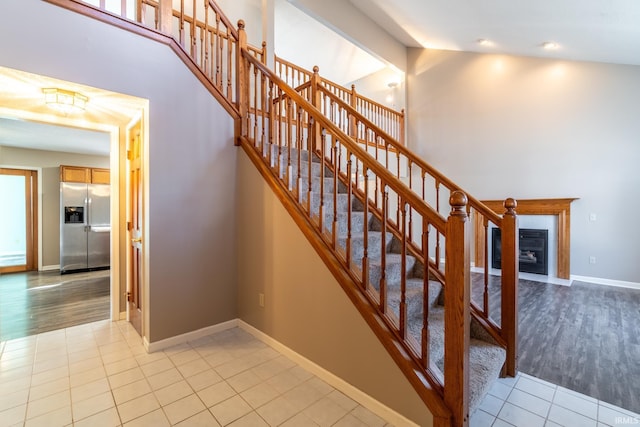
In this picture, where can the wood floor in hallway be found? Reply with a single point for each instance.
(37, 302)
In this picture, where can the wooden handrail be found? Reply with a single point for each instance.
(389, 118)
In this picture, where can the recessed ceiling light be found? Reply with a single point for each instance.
(550, 45)
(484, 42)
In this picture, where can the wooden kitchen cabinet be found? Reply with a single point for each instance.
(84, 174)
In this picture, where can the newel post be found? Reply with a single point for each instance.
(402, 127)
(242, 84)
(457, 297)
(510, 254)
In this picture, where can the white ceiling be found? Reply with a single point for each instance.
(585, 30)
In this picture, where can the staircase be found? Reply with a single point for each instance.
(363, 233)
(395, 233)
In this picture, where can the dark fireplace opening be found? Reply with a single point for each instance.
(534, 248)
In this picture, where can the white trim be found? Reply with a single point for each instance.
(123, 315)
(50, 267)
(189, 336)
(336, 382)
(606, 282)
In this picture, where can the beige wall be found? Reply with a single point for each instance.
(506, 126)
(190, 196)
(50, 162)
(305, 308)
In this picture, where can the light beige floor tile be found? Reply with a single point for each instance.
(83, 355)
(259, 394)
(131, 391)
(48, 364)
(164, 379)
(325, 412)
(299, 420)
(108, 418)
(342, 400)
(230, 410)
(351, 421)
(121, 366)
(137, 407)
(284, 381)
(13, 416)
(184, 408)
(152, 419)
(367, 417)
(88, 390)
(303, 396)
(518, 416)
(182, 357)
(146, 358)
(126, 377)
(252, 419)
(47, 389)
(157, 367)
(277, 411)
(244, 381)
(13, 399)
(48, 404)
(85, 365)
(58, 417)
(173, 392)
(202, 419)
(204, 379)
(217, 358)
(50, 375)
(92, 405)
(87, 377)
(116, 357)
(216, 393)
(568, 418)
(193, 367)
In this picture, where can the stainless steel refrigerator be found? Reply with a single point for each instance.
(85, 227)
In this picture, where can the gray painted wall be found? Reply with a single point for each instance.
(191, 227)
(505, 126)
(50, 162)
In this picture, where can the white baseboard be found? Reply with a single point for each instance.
(336, 382)
(189, 336)
(606, 282)
(50, 267)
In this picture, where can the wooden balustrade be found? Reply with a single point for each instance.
(387, 119)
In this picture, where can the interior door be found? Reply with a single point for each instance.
(134, 225)
(18, 224)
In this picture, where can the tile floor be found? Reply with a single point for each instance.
(526, 401)
(100, 375)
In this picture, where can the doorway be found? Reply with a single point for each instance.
(18, 220)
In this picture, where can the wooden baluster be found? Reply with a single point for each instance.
(383, 255)
(289, 143)
(486, 267)
(272, 126)
(254, 107)
(311, 134)
(403, 272)
(401, 130)
(352, 122)
(365, 256)
(336, 166)
(349, 209)
(242, 86)
(411, 187)
(425, 294)
(299, 146)
(181, 31)
(193, 33)
(323, 159)
(264, 52)
(509, 255)
(437, 231)
(218, 79)
(456, 313)
(139, 14)
(205, 41)
(263, 111)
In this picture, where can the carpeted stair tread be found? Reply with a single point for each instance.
(485, 363)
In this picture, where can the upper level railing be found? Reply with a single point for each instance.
(387, 119)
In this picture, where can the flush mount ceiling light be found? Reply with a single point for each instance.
(550, 45)
(65, 101)
(485, 42)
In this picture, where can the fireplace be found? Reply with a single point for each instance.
(534, 249)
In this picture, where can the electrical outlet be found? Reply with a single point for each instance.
(592, 260)
(261, 299)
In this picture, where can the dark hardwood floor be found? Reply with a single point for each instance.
(583, 337)
(33, 302)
